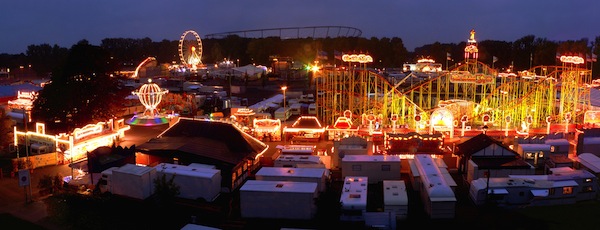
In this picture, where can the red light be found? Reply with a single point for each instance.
(418, 118)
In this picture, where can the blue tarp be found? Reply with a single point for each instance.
(12, 90)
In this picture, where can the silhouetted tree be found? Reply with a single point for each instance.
(165, 189)
(6, 130)
(81, 92)
(45, 58)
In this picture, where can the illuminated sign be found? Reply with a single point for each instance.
(360, 58)
(467, 77)
(24, 100)
(87, 130)
(425, 60)
(26, 95)
(572, 59)
(591, 117)
(442, 119)
(471, 49)
(267, 125)
(244, 112)
(342, 123)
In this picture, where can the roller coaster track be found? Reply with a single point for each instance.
(548, 92)
(362, 92)
(294, 32)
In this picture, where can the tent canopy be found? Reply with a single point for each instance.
(249, 69)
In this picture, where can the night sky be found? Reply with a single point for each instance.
(65, 22)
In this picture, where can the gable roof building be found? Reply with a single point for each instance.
(483, 156)
(207, 142)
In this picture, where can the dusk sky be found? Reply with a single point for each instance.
(65, 22)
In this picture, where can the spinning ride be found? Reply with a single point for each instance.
(150, 95)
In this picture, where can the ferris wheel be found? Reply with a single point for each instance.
(190, 48)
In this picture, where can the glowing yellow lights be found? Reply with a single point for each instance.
(471, 49)
(360, 58)
(24, 100)
(190, 48)
(572, 59)
(137, 69)
(150, 96)
(73, 146)
(468, 77)
(472, 36)
(88, 130)
(425, 60)
(314, 68)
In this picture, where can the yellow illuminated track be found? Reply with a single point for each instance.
(548, 91)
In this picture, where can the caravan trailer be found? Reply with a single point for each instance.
(282, 114)
(312, 109)
(564, 186)
(435, 192)
(353, 199)
(278, 199)
(194, 182)
(295, 109)
(316, 175)
(297, 149)
(133, 181)
(299, 161)
(376, 167)
(395, 198)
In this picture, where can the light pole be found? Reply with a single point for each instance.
(283, 88)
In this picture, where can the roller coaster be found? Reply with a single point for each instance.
(293, 32)
(471, 91)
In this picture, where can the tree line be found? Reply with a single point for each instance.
(522, 54)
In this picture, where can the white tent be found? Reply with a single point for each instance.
(254, 72)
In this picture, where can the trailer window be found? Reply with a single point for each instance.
(568, 190)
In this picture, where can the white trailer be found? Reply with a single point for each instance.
(282, 114)
(312, 109)
(295, 109)
(436, 194)
(133, 181)
(105, 180)
(195, 182)
(278, 199)
(376, 167)
(198, 165)
(353, 198)
(316, 175)
(297, 161)
(395, 198)
(298, 149)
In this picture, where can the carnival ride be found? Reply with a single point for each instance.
(142, 64)
(190, 49)
(473, 92)
(294, 32)
(554, 94)
(150, 95)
